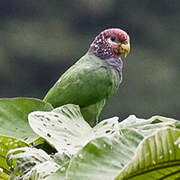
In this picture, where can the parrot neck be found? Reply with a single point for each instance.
(115, 62)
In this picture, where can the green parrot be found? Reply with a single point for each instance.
(95, 77)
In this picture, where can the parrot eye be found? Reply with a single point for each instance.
(113, 38)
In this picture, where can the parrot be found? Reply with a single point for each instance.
(95, 77)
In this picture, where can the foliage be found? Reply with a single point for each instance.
(132, 149)
(13, 117)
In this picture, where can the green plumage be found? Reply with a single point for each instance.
(89, 83)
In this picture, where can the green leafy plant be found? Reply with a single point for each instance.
(132, 149)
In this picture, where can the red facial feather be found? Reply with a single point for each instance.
(122, 35)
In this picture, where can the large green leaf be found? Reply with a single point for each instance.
(13, 117)
(157, 157)
(67, 131)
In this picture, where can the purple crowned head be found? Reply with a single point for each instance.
(111, 43)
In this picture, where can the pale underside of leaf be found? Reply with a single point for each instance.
(66, 130)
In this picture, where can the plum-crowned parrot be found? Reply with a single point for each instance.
(95, 77)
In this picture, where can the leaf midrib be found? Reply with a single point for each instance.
(156, 168)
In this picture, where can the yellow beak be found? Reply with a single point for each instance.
(124, 49)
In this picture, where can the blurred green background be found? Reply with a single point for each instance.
(40, 39)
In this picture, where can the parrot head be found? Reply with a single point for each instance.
(111, 43)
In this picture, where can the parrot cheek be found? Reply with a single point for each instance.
(115, 49)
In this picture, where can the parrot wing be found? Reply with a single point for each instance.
(83, 84)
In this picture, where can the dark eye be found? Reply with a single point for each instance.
(113, 38)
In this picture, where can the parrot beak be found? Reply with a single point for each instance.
(124, 49)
